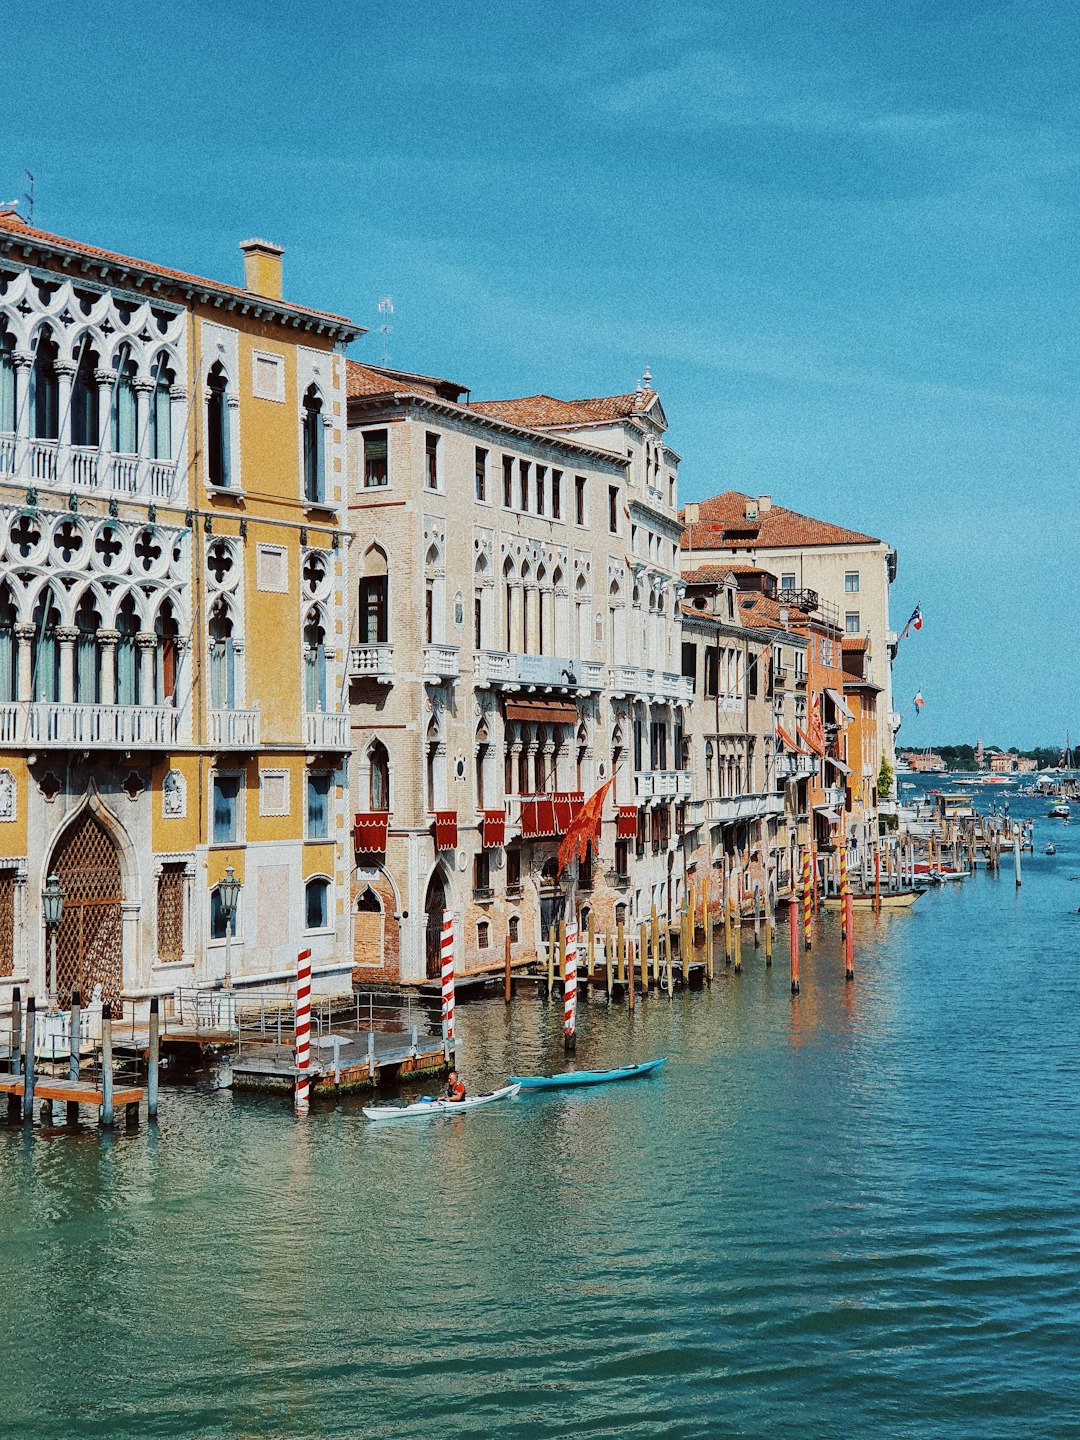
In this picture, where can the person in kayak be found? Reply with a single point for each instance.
(455, 1090)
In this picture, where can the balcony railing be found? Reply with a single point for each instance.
(658, 784)
(325, 730)
(234, 729)
(656, 684)
(85, 467)
(555, 672)
(45, 723)
(728, 809)
(441, 663)
(371, 662)
(7, 454)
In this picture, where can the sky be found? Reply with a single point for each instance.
(843, 237)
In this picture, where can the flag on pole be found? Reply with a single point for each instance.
(919, 701)
(584, 828)
(915, 623)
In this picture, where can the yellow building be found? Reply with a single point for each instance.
(172, 622)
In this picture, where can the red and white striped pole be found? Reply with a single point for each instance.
(570, 989)
(849, 939)
(447, 958)
(303, 1029)
(806, 898)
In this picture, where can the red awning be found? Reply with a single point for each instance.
(626, 823)
(494, 828)
(369, 831)
(548, 815)
(445, 829)
(787, 740)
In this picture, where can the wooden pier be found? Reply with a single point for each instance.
(349, 1061)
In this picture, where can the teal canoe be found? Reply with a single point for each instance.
(570, 1078)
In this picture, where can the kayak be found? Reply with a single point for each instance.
(434, 1105)
(571, 1078)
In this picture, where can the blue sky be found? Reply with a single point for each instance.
(842, 235)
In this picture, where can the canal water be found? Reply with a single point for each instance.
(855, 1213)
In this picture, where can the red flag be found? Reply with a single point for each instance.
(584, 829)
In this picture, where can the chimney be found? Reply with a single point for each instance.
(262, 268)
(764, 504)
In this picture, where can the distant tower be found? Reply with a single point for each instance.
(980, 756)
(386, 309)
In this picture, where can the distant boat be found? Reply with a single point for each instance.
(569, 1078)
(1058, 812)
(1051, 849)
(436, 1105)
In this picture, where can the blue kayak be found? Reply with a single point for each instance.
(571, 1078)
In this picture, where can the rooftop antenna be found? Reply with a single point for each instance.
(386, 309)
(28, 196)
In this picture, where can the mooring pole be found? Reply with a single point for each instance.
(506, 975)
(28, 1060)
(153, 1059)
(793, 931)
(849, 938)
(14, 1104)
(1016, 853)
(106, 1066)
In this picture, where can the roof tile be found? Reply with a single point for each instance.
(722, 523)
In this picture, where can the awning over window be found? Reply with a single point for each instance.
(445, 829)
(828, 813)
(369, 831)
(546, 712)
(786, 740)
(838, 765)
(838, 700)
(626, 823)
(494, 825)
(548, 815)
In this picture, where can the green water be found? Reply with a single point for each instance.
(852, 1214)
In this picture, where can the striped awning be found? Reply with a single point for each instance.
(548, 815)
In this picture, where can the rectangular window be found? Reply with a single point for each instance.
(226, 809)
(480, 471)
(482, 873)
(579, 499)
(638, 745)
(851, 582)
(541, 486)
(523, 484)
(556, 494)
(373, 626)
(429, 613)
(658, 745)
(689, 662)
(513, 871)
(622, 858)
(478, 620)
(613, 509)
(508, 482)
(851, 622)
(376, 459)
(712, 673)
(273, 792)
(318, 805)
(787, 582)
(431, 461)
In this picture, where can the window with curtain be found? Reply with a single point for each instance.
(314, 457)
(127, 659)
(226, 809)
(222, 659)
(125, 410)
(217, 427)
(161, 412)
(314, 664)
(318, 805)
(168, 633)
(44, 394)
(45, 652)
(87, 669)
(7, 384)
(84, 401)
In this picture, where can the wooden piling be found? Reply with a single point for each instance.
(807, 937)
(757, 915)
(506, 971)
(14, 1104)
(849, 938)
(106, 1066)
(631, 989)
(372, 1068)
(708, 936)
(727, 924)
(1016, 854)
(620, 947)
(562, 952)
(153, 1059)
(608, 971)
(28, 1059)
(793, 929)
(551, 960)
(654, 942)
(877, 879)
(738, 945)
(643, 956)
(669, 956)
(770, 924)
(591, 948)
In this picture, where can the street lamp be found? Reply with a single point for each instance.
(229, 888)
(52, 906)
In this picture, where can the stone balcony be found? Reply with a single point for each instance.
(371, 662)
(662, 784)
(655, 685)
(513, 671)
(729, 809)
(42, 724)
(233, 729)
(88, 468)
(326, 730)
(441, 663)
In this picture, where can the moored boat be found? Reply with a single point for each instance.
(865, 899)
(570, 1078)
(435, 1105)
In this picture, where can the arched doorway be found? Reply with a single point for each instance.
(434, 905)
(89, 939)
(368, 930)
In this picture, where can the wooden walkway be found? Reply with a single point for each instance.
(74, 1092)
(272, 1067)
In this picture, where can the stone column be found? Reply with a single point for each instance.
(24, 637)
(514, 638)
(65, 375)
(107, 642)
(23, 363)
(146, 641)
(66, 635)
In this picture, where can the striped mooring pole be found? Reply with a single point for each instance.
(447, 957)
(570, 990)
(806, 898)
(843, 893)
(303, 1030)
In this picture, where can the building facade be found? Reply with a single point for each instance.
(172, 620)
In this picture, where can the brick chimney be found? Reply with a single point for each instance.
(262, 268)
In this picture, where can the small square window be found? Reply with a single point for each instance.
(267, 376)
(272, 569)
(376, 458)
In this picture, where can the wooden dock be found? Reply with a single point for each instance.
(72, 1092)
(339, 1068)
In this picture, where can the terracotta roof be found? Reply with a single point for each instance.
(708, 574)
(855, 642)
(14, 226)
(379, 380)
(540, 412)
(722, 523)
